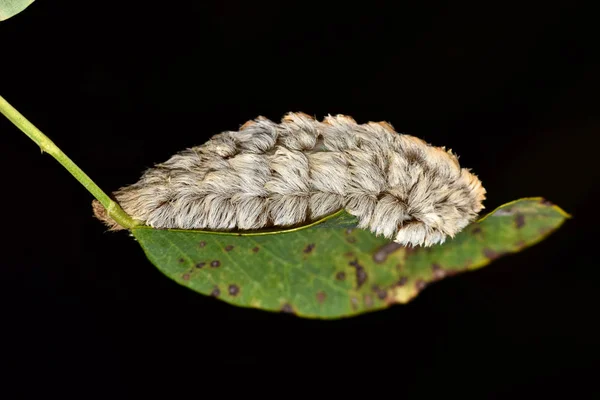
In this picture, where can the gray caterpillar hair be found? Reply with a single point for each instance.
(280, 175)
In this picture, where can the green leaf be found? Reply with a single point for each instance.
(330, 270)
(10, 8)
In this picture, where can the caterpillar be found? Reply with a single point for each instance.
(300, 170)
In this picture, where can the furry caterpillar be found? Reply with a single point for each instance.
(279, 175)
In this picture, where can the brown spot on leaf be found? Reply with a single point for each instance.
(181, 260)
(215, 263)
(309, 248)
(361, 274)
(384, 251)
(233, 290)
(200, 264)
(546, 202)
(228, 247)
(340, 276)
(420, 284)
(202, 244)
(382, 294)
(354, 302)
(287, 308)
(368, 301)
(351, 239)
(491, 254)
(438, 272)
(476, 230)
(186, 277)
(520, 220)
(402, 281)
(349, 254)
(215, 292)
(321, 296)
(255, 249)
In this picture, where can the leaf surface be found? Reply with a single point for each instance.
(10, 8)
(329, 269)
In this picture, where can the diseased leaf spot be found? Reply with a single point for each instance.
(476, 230)
(402, 281)
(368, 301)
(255, 249)
(351, 239)
(340, 276)
(181, 260)
(384, 251)
(520, 220)
(287, 308)
(438, 272)
(354, 302)
(309, 248)
(420, 284)
(234, 290)
(200, 264)
(215, 292)
(361, 274)
(228, 247)
(186, 277)
(202, 244)
(215, 263)
(381, 294)
(321, 296)
(491, 254)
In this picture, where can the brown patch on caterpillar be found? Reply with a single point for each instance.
(215, 263)
(233, 290)
(288, 309)
(215, 292)
(247, 125)
(321, 296)
(386, 125)
(289, 117)
(381, 294)
(200, 265)
(101, 214)
(361, 274)
(384, 251)
(309, 248)
(520, 220)
(340, 276)
(228, 248)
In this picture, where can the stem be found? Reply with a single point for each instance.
(46, 145)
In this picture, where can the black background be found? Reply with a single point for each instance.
(512, 89)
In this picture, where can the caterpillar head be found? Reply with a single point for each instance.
(439, 198)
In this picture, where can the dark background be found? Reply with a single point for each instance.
(512, 90)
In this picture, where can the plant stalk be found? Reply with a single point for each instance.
(46, 145)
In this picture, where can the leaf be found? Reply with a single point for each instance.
(325, 270)
(10, 8)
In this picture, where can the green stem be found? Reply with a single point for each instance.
(113, 209)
